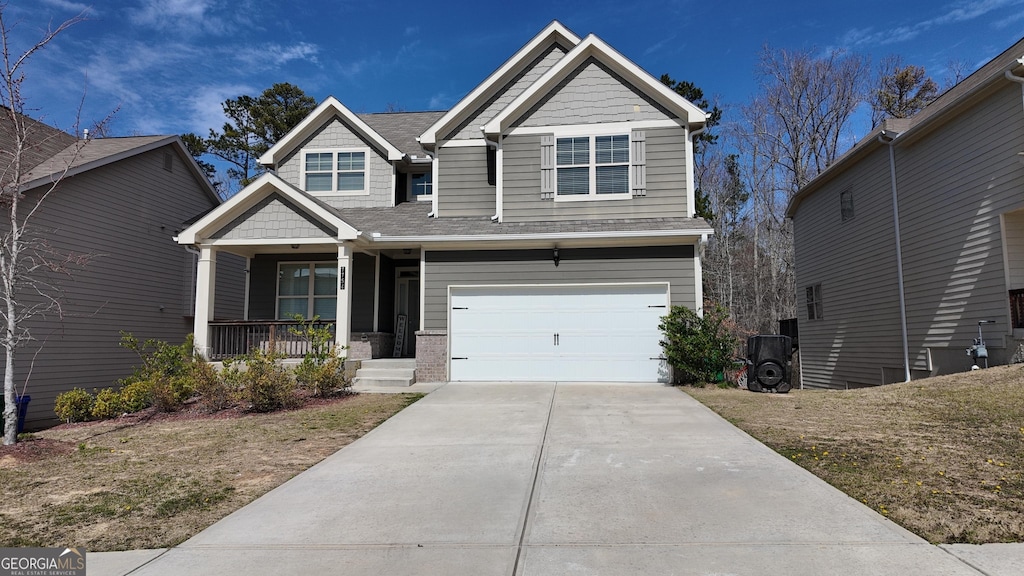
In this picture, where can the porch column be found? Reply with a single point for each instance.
(343, 328)
(206, 274)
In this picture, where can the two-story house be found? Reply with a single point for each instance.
(538, 230)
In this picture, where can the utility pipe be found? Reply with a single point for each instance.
(888, 138)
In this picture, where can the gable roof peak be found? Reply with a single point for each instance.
(316, 119)
(555, 32)
(594, 47)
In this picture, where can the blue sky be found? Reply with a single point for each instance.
(169, 63)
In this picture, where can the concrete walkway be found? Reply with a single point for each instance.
(531, 479)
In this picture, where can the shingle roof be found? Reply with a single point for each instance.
(402, 128)
(82, 152)
(410, 220)
(43, 142)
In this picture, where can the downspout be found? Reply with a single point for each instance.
(497, 179)
(888, 138)
(691, 192)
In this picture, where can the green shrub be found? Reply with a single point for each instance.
(324, 379)
(74, 405)
(136, 396)
(107, 405)
(215, 392)
(264, 384)
(698, 348)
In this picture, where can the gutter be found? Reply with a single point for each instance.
(889, 138)
(377, 237)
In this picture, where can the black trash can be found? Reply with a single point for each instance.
(22, 403)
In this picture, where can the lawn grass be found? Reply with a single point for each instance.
(943, 457)
(135, 483)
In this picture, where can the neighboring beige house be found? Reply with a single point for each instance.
(538, 230)
(121, 202)
(914, 236)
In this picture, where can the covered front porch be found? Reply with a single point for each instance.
(302, 262)
(374, 295)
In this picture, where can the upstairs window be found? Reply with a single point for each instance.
(421, 186)
(335, 171)
(846, 205)
(592, 166)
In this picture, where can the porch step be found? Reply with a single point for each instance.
(386, 372)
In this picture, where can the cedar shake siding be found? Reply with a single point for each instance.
(333, 135)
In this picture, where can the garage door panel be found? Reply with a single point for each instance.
(604, 333)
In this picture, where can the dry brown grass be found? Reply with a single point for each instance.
(943, 457)
(130, 483)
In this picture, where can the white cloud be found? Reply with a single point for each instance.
(301, 51)
(955, 13)
(412, 30)
(657, 46)
(184, 16)
(77, 7)
(204, 106)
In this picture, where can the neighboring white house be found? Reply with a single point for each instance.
(538, 230)
(914, 236)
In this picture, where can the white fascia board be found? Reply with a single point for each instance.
(327, 109)
(257, 190)
(695, 233)
(54, 175)
(325, 241)
(555, 30)
(594, 46)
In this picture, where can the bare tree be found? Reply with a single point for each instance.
(791, 130)
(900, 91)
(28, 263)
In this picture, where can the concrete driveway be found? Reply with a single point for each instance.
(531, 479)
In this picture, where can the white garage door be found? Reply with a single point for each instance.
(558, 333)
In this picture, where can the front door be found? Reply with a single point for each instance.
(407, 294)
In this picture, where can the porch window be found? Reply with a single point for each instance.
(339, 171)
(307, 288)
(591, 166)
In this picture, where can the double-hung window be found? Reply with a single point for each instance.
(592, 166)
(307, 288)
(814, 304)
(335, 171)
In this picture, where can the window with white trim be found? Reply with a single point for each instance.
(591, 166)
(421, 186)
(335, 171)
(307, 288)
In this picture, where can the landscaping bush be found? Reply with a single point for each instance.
(264, 384)
(136, 396)
(74, 405)
(698, 348)
(108, 404)
(215, 393)
(321, 371)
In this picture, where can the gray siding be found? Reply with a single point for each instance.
(954, 183)
(1013, 231)
(125, 216)
(462, 183)
(336, 134)
(229, 291)
(666, 183)
(593, 94)
(470, 128)
(855, 263)
(363, 273)
(272, 218)
(577, 266)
